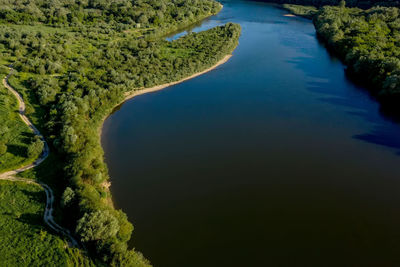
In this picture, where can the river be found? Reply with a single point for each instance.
(273, 159)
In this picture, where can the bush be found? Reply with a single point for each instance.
(97, 225)
(35, 148)
(3, 148)
(67, 197)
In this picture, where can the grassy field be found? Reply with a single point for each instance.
(24, 240)
(13, 132)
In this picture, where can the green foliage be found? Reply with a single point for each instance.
(303, 11)
(72, 71)
(67, 197)
(351, 3)
(3, 148)
(24, 240)
(368, 42)
(14, 134)
(35, 148)
(120, 15)
(98, 225)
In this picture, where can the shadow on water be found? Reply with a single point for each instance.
(384, 132)
(227, 175)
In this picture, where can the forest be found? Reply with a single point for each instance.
(368, 41)
(115, 14)
(74, 61)
(351, 3)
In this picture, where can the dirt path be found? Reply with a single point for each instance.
(10, 175)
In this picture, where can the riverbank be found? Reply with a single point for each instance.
(130, 95)
(205, 163)
(307, 12)
(71, 115)
(91, 182)
(11, 175)
(134, 93)
(137, 92)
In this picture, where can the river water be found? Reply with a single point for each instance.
(273, 159)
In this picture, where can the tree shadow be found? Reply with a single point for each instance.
(26, 137)
(17, 150)
(354, 99)
(32, 219)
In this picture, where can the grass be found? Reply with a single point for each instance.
(51, 167)
(38, 28)
(24, 240)
(167, 52)
(33, 110)
(13, 132)
(22, 205)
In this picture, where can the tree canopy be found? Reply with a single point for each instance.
(369, 43)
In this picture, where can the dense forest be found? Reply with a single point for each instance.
(369, 43)
(116, 14)
(74, 62)
(351, 3)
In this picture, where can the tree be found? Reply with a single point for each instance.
(35, 148)
(98, 225)
(3, 148)
(67, 197)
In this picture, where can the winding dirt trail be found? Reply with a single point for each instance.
(10, 175)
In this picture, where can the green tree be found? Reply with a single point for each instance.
(3, 148)
(98, 225)
(67, 197)
(35, 148)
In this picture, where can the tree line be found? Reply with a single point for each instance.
(368, 42)
(365, 4)
(116, 14)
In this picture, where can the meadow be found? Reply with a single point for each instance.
(24, 240)
(15, 136)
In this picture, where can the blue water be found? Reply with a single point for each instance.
(273, 159)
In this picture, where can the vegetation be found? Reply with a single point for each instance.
(303, 11)
(15, 137)
(121, 14)
(75, 61)
(351, 3)
(21, 215)
(368, 42)
(35, 148)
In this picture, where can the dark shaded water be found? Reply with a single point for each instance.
(273, 159)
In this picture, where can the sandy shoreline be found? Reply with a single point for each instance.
(132, 94)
